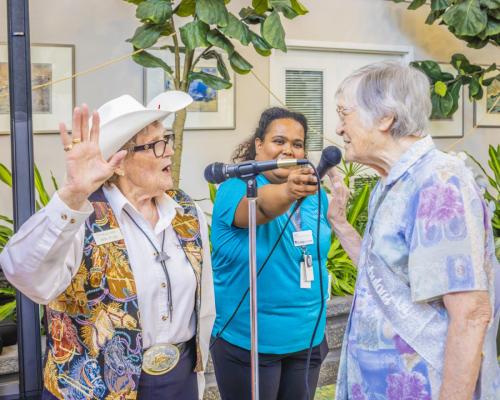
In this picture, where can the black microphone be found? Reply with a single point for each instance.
(330, 157)
(218, 172)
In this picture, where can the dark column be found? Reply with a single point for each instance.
(28, 322)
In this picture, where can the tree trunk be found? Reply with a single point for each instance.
(178, 130)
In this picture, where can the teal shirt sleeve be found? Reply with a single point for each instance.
(227, 200)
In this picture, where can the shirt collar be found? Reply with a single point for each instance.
(167, 207)
(416, 151)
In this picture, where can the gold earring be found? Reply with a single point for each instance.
(119, 172)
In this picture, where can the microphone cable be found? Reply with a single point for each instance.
(318, 251)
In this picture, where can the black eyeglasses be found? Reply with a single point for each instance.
(158, 146)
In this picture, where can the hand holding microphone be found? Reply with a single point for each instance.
(218, 172)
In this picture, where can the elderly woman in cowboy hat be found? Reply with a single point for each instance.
(121, 262)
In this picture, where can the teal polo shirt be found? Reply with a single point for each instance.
(286, 313)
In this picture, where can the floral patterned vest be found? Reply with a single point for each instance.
(94, 340)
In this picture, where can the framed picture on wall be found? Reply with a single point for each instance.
(211, 109)
(52, 101)
(487, 110)
(452, 127)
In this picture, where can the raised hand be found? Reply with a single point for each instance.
(86, 169)
(337, 213)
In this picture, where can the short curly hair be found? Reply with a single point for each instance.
(246, 150)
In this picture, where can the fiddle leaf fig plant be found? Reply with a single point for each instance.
(194, 30)
(446, 87)
(476, 22)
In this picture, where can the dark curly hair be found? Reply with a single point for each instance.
(246, 150)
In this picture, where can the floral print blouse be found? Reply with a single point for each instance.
(428, 234)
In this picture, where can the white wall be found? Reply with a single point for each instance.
(98, 30)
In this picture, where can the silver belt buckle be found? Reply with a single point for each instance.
(161, 358)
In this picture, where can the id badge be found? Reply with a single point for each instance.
(304, 283)
(111, 235)
(308, 261)
(303, 238)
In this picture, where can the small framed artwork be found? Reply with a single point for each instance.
(211, 109)
(452, 127)
(487, 110)
(52, 103)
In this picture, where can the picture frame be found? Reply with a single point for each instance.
(51, 104)
(453, 127)
(486, 113)
(211, 110)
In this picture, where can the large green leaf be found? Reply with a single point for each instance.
(285, 7)
(467, 18)
(221, 65)
(430, 68)
(213, 192)
(6, 219)
(416, 4)
(210, 80)
(299, 8)
(475, 89)
(260, 45)
(454, 90)
(146, 36)
(5, 175)
(154, 11)
(462, 64)
(260, 6)
(237, 30)
(186, 8)
(491, 4)
(9, 291)
(8, 310)
(212, 12)
(359, 204)
(250, 16)
(150, 61)
(441, 106)
(273, 32)
(40, 187)
(239, 64)
(216, 38)
(492, 29)
(433, 16)
(437, 5)
(54, 182)
(194, 34)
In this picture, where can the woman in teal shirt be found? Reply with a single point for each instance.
(288, 304)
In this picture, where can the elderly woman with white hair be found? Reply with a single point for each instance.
(423, 321)
(121, 262)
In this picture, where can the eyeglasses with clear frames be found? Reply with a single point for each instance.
(159, 146)
(344, 111)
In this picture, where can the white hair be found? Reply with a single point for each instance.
(389, 89)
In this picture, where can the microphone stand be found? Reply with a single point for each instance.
(252, 272)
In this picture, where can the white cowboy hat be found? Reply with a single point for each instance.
(123, 117)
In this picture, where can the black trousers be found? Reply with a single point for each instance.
(281, 376)
(180, 383)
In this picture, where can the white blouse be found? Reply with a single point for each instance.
(43, 256)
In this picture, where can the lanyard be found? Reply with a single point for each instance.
(296, 220)
(161, 256)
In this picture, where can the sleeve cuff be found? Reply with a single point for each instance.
(64, 217)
